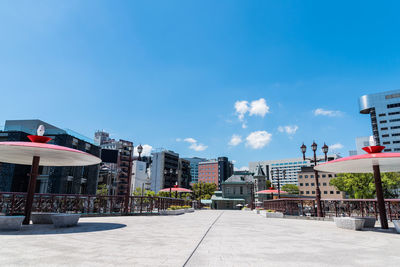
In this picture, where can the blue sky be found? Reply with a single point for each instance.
(162, 72)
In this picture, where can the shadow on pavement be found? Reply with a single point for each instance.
(49, 229)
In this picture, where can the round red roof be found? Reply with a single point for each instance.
(388, 162)
(271, 191)
(176, 189)
(50, 155)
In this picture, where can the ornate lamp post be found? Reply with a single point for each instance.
(140, 150)
(314, 160)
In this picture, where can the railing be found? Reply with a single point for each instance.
(12, 203)
(334, 207)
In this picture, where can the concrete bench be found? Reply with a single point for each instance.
(65, 220)
(274, 214)
(172, 212)
(397, 225)
(369, 222)
(11, 222)
(349, 223)
(189, 210)
(42, 218)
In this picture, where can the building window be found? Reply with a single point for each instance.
(396, 105)
(323, 175)
(387, 150)
(324, 184)
(301, 184)
(313, 192)
(385, 135)
(396, 134)
(301, 192)
(306, 176)
(382, 114)
(331, 192)
(312, 176)
(306, 184)
(384, 128)
(329, 175)
(312, 184)
(241, 190)
(383, 121)
(300, 176)
(337, 192)
(307, 192)
(325, 192)
(394, 113)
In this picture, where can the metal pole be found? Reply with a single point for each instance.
(317, 190)
(128, 190)
(31, 189)
(379, 197)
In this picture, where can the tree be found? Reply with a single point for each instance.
(362, 186)
(268, 183)
(146, 193)
(102, 190)
(204, 190)
(291, 189)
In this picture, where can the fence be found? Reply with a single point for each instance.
(334, 208)
(12, 203)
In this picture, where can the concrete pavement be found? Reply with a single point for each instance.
(203, 238)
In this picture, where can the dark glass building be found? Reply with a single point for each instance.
(56, 180)
(225, 170)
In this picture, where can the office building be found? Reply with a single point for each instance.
(286, 169)
(208, 172)
(194, 168)
(384, 111)
(225, 170)
(56, 180)
(164, 170)
(139, 175)
(184, 173)
(307, 184)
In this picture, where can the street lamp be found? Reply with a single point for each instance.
(325, 149)
(140, 150)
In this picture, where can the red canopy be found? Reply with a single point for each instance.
(271, 191)
(176, 189)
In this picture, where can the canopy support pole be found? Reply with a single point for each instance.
(379, 197)
(31, 189)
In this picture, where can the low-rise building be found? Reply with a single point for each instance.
(307, 184)
(237, 191)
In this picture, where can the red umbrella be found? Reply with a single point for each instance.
(375, 162)
(271, 191)
(37, 153)
(176, 189)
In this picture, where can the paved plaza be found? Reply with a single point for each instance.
(203, 238)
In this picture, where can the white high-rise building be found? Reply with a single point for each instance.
(139, 175)
(287, 168)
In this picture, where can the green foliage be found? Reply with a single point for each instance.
(174, 195)
(102, 190)
(204, 190)
(361, 185)
(146, 193)
(291, 189)
(268, 183)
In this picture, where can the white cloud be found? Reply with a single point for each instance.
(289, 129)
(145, 152)
(194, 145)
(190, 140)
(241, 108)
(198, 147)
(259, 107)
(258, 139)
(329, 113)
(336, 146)
(235, 140)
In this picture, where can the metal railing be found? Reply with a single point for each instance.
(13, 203)
(334, 207)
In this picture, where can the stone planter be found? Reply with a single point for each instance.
(369, 222)
(172, 212)
(349, 223)
(65, 220)
(256, 211)
(397, 225)
(189, 210)
(11, 222)
(274, 214)
(42, 218)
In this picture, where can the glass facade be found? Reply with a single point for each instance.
(384, 110)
